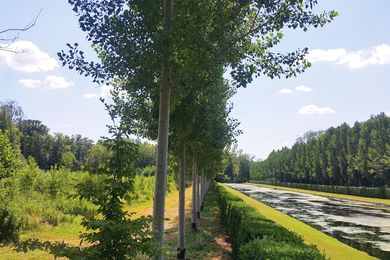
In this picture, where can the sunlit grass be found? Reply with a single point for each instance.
(328, 194)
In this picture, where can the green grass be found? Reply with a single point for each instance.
(68, 232)
(331, 246)
(321, 193)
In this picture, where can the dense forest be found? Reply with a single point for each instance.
(32, 138)
(344, 155)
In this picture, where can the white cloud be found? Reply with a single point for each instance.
(104, 92)
(313, 110)
(378, 55)
(27, 57)
(50, 82)
(387, 113)
(303, 88)
(285, 91)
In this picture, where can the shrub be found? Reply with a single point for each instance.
(9, 227)
(259, 249)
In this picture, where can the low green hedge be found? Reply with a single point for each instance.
(262, 249)
(255, 237)
(379, 192)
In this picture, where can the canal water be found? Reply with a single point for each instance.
(362, 225)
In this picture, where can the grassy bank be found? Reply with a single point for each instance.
(331, 246)
(328, 194)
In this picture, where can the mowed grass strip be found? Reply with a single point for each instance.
(327, 194)
(331, 246)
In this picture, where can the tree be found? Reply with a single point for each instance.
(8, 157)
(243, 172)
(11, 114)
(96, 158)
(34, 141)
(6, 40)
(68, 159)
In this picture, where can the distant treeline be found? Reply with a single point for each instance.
(78, 153)
(345, 156)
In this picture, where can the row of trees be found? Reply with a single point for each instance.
(353, 156)
(75, 152)
(238, 167)
(166, 64)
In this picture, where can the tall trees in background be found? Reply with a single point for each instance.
(357, 155)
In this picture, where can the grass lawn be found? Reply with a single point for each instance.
(331, 246)
(328, 194)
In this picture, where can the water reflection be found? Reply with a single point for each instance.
(363, 225)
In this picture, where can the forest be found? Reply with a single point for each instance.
(343, 155)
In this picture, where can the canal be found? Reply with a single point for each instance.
(362, 225)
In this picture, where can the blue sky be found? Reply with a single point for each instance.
(349, 79)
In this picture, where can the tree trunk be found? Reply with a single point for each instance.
(181, 225)
(194, 195)
(163, 128)
(198, 200)
(202, 190)
(198, 197)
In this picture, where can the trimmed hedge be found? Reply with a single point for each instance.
(379, 192)
(262, 249)
(255, 237)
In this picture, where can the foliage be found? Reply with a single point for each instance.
(343, 156)
(262, 249)
(245, 224)
(8, 156)
(9, 227)
(116, 236)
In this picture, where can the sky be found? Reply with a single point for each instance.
(349, 79)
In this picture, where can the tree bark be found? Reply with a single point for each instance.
(198, 199)
(163, 130)
(194, 195)
(202, 190)
(181, 225)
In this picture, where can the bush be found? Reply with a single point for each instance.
(246, 224)
(9, 227)
(259, 249)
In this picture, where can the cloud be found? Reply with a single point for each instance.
(285, 91)
(303, 88)
(378, 55)
(26, 56)
(315, 110)
(50, 82)
(104, 92)
(387, 113)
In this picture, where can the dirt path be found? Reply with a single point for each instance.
(209, 243)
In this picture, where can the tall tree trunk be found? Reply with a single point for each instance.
(181, 227)
(202, 190)
(194, 178)
(198, 199)
(163, 128)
